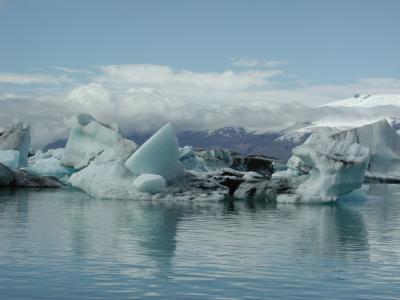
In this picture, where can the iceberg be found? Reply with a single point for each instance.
(49, 167)
(48, 164)
(215, 159)
(383, 142)
(321, 170)
(10, 158)
(51, 153)
(91, 140)
(158, 155)
(190, 161)
(112, 180)
(149, 183)
(336, 168)
(104, 180)
(333, 163)
(17, 137)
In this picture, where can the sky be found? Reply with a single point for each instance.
(199, 64)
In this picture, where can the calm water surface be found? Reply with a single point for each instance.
(62, 244)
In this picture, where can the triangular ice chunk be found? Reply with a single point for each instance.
(158, 155)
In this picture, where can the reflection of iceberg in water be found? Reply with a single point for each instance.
(252, 205)
(79, 230)
(14, 210)
(157, 236)
(149, 232)
(335, 231)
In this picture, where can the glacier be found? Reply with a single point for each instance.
(158, 155)
(90, 140)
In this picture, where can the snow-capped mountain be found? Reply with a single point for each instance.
(242, 140)
(229, 132)
(367, 101)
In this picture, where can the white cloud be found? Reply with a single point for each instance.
(31, 78)
(143, 97)
(164, 76)
(249, 62)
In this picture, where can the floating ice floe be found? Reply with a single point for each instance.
(149, 183)
(191, 161)
(91, 140)
(158, 155)
(48, 164)
(104, 180)
(323, 168)
(114, 181)
(337, 168)
(17, 137)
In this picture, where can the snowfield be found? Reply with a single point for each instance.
(367, 101)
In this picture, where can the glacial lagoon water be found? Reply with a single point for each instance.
(63, 244)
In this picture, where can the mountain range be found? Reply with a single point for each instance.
(276, 144)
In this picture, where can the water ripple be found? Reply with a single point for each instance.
(62, 244)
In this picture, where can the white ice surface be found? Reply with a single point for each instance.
(105, 180)
(158, 155)
(91, 140)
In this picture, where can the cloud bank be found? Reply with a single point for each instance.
(144, 97)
